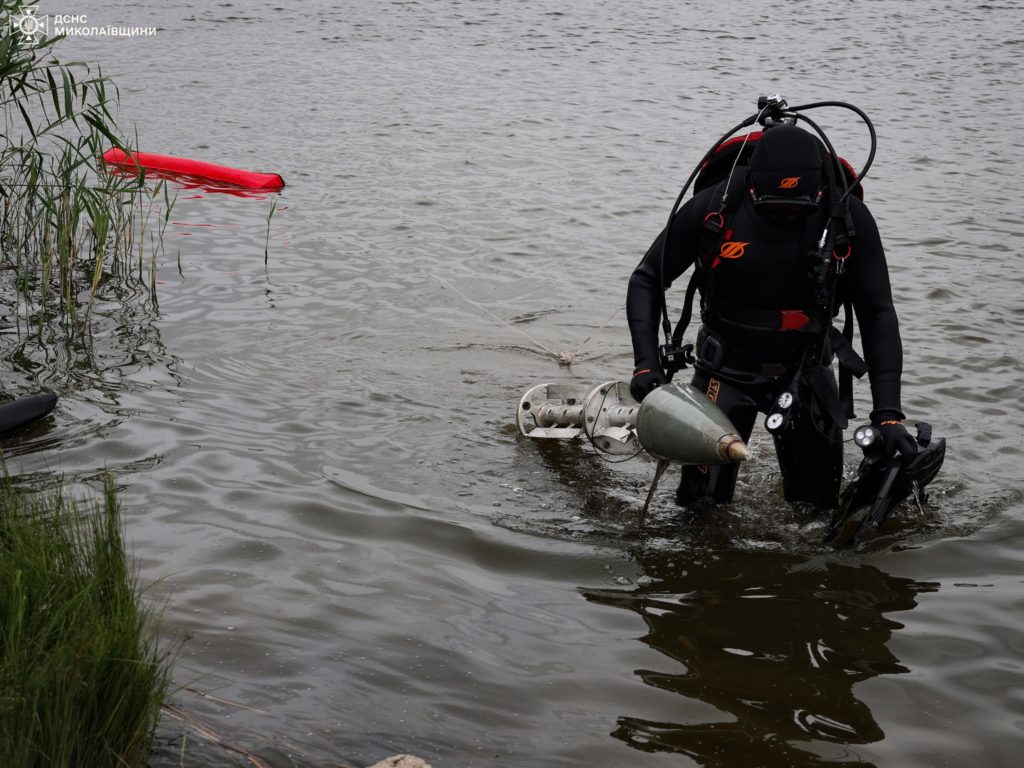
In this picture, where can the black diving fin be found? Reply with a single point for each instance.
(17, 415)
(885, 484)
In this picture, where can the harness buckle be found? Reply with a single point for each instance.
(715, 222)
(674, 358)
(841, 260)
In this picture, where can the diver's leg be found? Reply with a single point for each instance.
(716, 483)
(811, 457)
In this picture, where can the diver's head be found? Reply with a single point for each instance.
(785, 173)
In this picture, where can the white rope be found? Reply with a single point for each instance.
(494, 316)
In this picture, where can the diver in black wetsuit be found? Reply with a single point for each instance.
(758, 325)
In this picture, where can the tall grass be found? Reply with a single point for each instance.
(65, 222)
(81, 676)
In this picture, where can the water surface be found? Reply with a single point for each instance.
(317, 448)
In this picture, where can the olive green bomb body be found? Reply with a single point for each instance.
(678, 423)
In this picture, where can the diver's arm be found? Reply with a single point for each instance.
(643, 306)
(871, 294)
(644, 296)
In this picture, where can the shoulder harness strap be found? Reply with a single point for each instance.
(722, 204)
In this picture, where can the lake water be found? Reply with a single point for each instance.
(314, 433)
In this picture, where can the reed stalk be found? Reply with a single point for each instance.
(66, 221)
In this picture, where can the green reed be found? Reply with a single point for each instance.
(82, 678)
(65, 221)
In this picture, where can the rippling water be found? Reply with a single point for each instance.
(317, 447)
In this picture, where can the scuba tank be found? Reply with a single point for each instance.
(826, 260)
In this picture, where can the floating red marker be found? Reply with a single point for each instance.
(196, 168)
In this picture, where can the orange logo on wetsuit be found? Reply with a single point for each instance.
(714, 385)
(732, 249)
(789, 182)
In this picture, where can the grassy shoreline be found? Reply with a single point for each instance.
(82, 677)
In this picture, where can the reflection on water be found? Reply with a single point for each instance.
(594, 484)
(773, 643)
(97, 367)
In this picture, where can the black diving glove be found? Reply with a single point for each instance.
(645, 380)
(895, 436)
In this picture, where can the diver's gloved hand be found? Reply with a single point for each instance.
(645, 380)
(895, 436)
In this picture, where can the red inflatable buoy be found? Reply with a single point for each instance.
(180, 165)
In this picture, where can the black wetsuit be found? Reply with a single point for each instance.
(744, 367)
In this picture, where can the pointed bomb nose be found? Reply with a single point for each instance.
(732, 448)
(679, 423)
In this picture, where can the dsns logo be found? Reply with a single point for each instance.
(789, 182)
(30, 26)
